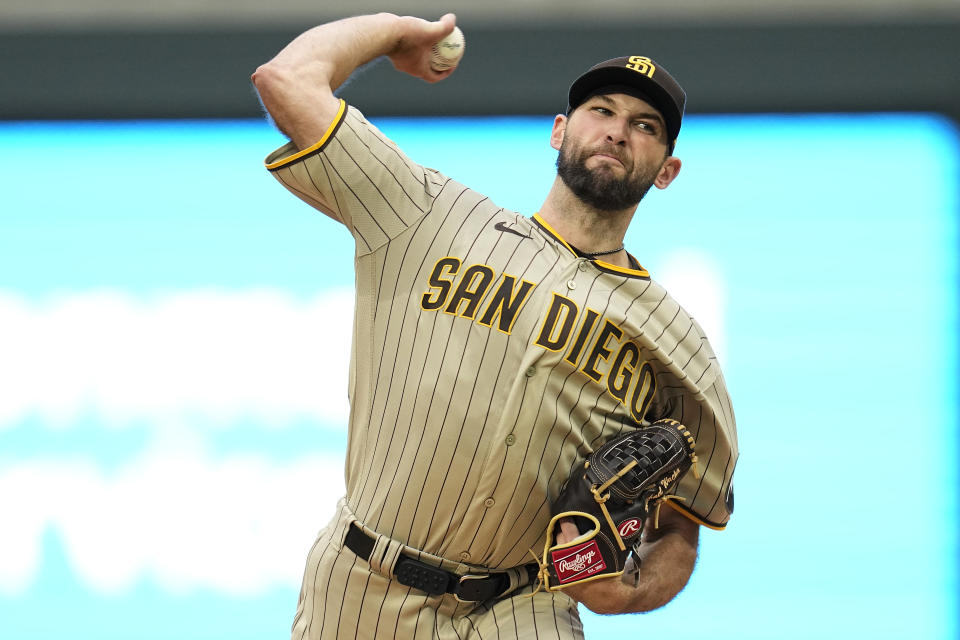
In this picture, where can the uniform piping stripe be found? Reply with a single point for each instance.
(543, 224)
(317, 147)
(623, 271)
(692, 516)
(695, 425)
(603, 266)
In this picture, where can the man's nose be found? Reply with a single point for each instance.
(617, 131)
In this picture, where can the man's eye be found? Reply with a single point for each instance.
(601, 110)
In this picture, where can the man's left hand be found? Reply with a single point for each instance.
(668, 554)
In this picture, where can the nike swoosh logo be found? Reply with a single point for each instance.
(501, 226)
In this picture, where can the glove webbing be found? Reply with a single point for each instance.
(652, 454)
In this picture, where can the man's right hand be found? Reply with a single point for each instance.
(412, 52)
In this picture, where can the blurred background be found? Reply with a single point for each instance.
(173, 382)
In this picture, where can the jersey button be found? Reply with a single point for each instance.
(530, 371)
(582, 266)
(571, 285)
(465, 556)
(489, 502)
(510, 440)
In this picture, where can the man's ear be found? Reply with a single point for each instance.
(559, 128)
(668, 171)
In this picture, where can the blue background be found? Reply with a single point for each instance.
(833, 240)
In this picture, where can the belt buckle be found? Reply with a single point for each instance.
(463, 580)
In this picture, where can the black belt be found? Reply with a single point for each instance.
(433, 580)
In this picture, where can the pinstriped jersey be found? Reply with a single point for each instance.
(489, 357)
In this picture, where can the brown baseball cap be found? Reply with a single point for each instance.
(638, 76)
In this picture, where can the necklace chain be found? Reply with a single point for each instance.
(597, 254)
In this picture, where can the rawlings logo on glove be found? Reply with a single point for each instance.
(609, 498)
(576, 563)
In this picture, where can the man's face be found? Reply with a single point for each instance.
(613, 150)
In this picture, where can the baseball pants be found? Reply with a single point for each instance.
(344, 596)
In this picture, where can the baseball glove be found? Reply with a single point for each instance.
(609, 497)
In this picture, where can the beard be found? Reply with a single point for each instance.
(600, 188)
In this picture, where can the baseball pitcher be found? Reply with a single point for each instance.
(535, 422)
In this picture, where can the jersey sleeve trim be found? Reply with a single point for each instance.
(603, 266)
(676, 504)
(315, 148)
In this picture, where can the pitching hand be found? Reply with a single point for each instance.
(412, 51)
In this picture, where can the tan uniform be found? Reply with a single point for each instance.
(488, 358)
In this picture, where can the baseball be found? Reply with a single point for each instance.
(447, 53)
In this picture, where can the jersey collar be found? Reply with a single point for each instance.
(638, 272)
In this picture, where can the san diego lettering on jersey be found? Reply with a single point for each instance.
(606, 358)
